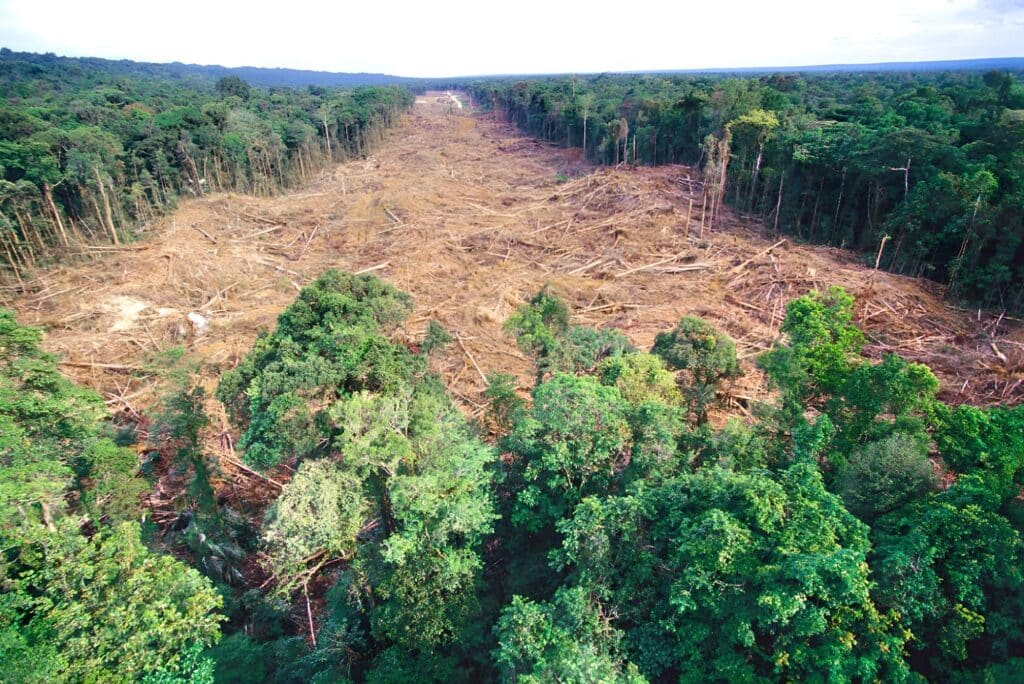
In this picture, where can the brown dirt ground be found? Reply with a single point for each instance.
(472, 218)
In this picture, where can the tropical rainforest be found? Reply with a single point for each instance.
(929, 163)
(614, 522)
(90, 154)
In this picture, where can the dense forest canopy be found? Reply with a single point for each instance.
(857, 530)
(930, 162)
(90, 153)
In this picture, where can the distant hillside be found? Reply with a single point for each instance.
(14, 63)
(1002, 63)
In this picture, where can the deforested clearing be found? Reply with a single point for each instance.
(471, 218)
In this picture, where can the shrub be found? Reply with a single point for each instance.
(543, 331)
(886, 474)
(707, 356)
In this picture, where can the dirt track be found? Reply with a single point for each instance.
(472, 218)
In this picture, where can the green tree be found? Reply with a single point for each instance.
(318, 514)
(571, 443)
(105, 609)
(706, 356)
(566, 640)
(736, 576)
(884, 475)
(946, 563)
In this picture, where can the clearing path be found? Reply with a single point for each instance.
(472, 218)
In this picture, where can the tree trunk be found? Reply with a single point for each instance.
(839, 201)
(14, 265)
(190, 167)
(778, 202)
(753, 178)
(48, 199)
(95, 207)
(106, 206)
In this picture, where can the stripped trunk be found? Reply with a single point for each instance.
(106, 207)
(54, 214)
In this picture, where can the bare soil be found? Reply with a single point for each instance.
(473, 218)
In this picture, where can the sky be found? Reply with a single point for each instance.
(531, 36)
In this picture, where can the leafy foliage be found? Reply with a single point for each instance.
(321, 510)
(103, 608)
(567, 640)
(329, 342)
(542, 329)
(399, 487)
(737, 576)
(944, 563)
(820, 366)
(885, 474)
(109, 609)
(572, 441)
(706, 355)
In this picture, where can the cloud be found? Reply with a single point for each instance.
(1002, 6)
(459, 37)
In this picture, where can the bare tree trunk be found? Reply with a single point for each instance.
(48, 199)
(753, 178)
(106, 206)
(814, 214)
(703, 206)
(190, 167)
(14, 265)
(95, 208)
(31, 234)
(778, 202)
(839, 201)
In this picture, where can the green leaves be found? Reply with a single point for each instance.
(885, 474)
(102, 608)
(737, 576)
(110, 609)
(944, 563)
(328, 342)
(571, 441)
(707, 357)
(319, 512)
(566, 640)
(399, 489)
(543, 331)
(824, 347)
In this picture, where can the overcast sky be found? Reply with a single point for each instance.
(532, 36)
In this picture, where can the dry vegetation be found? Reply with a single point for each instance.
(471, 219)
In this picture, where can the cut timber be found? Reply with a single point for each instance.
(666, 260)
(740, 267)
(249, 471)
(370, 269)
(104, 366)
(206, 235)
(473, 361)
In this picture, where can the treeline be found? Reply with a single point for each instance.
(928, 162)
(856, 529)
(194, 74)
(88, 155)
